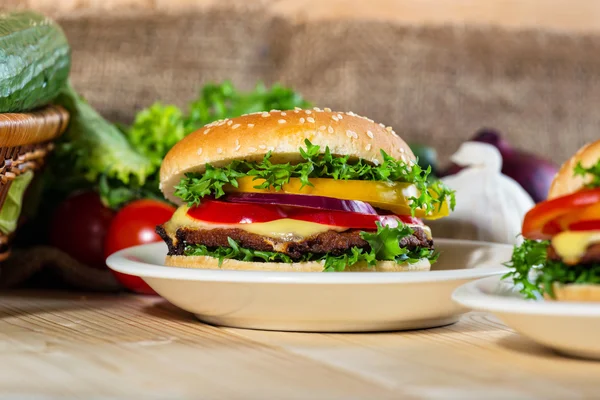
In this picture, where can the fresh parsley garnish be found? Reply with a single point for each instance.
(534, 273)
(433, 193)
(384, 245)
(594, 171)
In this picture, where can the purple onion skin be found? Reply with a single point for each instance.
(533, 173)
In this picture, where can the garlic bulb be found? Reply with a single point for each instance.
(490, 206)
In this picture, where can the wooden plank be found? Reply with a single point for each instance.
(479, 357)
(81, 346)
(61, 346)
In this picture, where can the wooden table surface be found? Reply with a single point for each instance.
(63, 345)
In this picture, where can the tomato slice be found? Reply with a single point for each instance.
(235, 213)
(220, 212)
(543, 221)
(589, 225)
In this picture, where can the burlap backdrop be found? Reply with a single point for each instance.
(435, 85)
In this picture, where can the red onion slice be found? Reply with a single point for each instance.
(299, 200)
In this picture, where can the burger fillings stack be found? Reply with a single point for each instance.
(560, 258)
(301, 190)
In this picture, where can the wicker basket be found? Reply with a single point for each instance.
(25, 141)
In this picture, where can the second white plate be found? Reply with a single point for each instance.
(316, 301)
(568, 327)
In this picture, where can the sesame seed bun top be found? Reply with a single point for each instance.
(251, 136)
(565, 182)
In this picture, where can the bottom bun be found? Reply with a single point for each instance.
(205, 262)
(575, 292)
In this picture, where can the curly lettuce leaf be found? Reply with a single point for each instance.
(534, 274)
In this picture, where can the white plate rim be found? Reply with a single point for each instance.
(121, 262)
(470, 295)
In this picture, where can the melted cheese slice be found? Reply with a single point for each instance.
(285, 229)
(571, 246)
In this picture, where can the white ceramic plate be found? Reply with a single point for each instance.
(316, 301)
(568, 327)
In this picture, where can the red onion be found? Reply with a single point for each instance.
(299, 200)
(533, 173)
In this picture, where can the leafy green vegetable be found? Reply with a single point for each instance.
(534, 274)
(594, 171)
(193, 187)
(224, 101)
(92, 146)
(384, 245)
(11, 209)
(155, 130)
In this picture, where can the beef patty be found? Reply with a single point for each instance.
(591, 256)
(327, 242)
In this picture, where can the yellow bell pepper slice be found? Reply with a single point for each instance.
(392, 196)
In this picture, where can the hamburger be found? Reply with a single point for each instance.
(302, 190)
(559, 258)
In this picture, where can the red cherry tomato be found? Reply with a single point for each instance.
(220, 212)
(79, 226)
(544, 220)
(135, 224)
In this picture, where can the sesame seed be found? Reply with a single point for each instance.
(237, 142)
(388, 128)
(250, 125)
(311, 120)
(382, 125)
(296, 111)
(368, 147)
(317, 109)
(401, 150)
(330, 129)
(297, 108)
(235, 126)
(370, 134)
(275, 110)
(219, 150)
(340, 116)
(370, 120)
(206, 131)
(351, 113)
(199, 151)
(375, 161)
(351, 134)
(322, 127)
(229, 123)
(302, 120)
(251, 149)
(237, 148)
(308, 111)
(333, 117)
(265, 114)
(327, 109)
(283, 114)
(282, 121)
(262, 146)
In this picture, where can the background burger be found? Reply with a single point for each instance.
(300, 190)
(560, 258)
